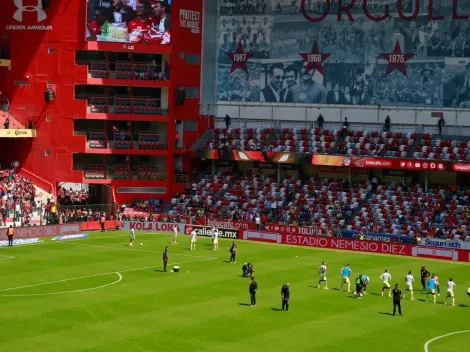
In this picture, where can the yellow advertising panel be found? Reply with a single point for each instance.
(5, 63)
(17, 133)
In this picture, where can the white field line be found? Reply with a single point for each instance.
(3, 257)
(62, 292)
(426, 345)
(88, 276)
(129, 249)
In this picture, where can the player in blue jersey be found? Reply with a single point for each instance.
(345, 275)
(431, 289)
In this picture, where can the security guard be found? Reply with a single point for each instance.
(165, 258)
(253, 288)
(285, 295)
(396, 292)
(11, 233)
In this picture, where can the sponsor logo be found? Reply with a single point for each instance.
(69, 229)
(152, 226)
(20, 242)
(206, 231)
(442, 243)
(70, 237)
(379, 163)
(18, 15)
(228, 224)
(461, 167)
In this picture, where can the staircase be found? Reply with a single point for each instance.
(201, 142)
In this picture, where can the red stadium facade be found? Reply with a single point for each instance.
(104, 112)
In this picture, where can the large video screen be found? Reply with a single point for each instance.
(352, 52)
(129, 21)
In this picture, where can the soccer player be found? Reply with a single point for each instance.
(396, 299)
(424, 276)
(345, 274)
(216, 240)
(132, 238)
(409, 279)
(358, 286)
(322, 271)
(233, 252)
(436, 279)
(431, 289)
(192, 237)
(365, 282)
(386, 277)
(175, 234)
(450, 291)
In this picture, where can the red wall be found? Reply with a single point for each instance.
(30, 57)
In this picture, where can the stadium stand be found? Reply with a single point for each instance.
(441, 148)
(315, 141)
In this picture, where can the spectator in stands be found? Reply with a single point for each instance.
(177, 137)
(6, 124)
(345, 128)
(387, 124)
(160, 10)
(440, 124)
(15, 165)
(320, 121)
(227, 121)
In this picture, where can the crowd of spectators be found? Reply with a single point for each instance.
(17, 197)
(72, 197)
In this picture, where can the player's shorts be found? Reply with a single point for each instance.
(346, 280)
(323, 277)
(409, 287)
(450, 293)
(193, 241)
(175, 235)
(431, 291)
(386, 284)
(216, 240)
(132, 237)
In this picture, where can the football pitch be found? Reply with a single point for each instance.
(98, 294)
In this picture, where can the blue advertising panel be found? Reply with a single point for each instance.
(349, 52)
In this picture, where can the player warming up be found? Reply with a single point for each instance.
(409, 279)
(215, 240)
(175, 234)
(431, 289)
(365, 282)
(131, 238)
(322, 271)
(192, 237)
(436, 279)
(386, 277)
(358, 292)
(345, 275)
(450, 291)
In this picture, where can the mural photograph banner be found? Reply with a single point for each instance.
(409, 53)
(129, 21)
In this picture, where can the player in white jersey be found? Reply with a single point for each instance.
(215, 239)
(131, 237)
(450, 291)
(386, 277)
(409, 279)
(192, 237)
(175, 234)
(322, 271)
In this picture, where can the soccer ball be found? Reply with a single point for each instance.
(141, 244)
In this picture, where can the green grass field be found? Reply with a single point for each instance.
(97, 294)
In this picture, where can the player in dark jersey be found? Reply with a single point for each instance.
(424, 276)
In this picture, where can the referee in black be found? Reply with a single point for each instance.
(253, 288)
(424, 276)
(285, 296)
(165, 258)
(396, 293)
